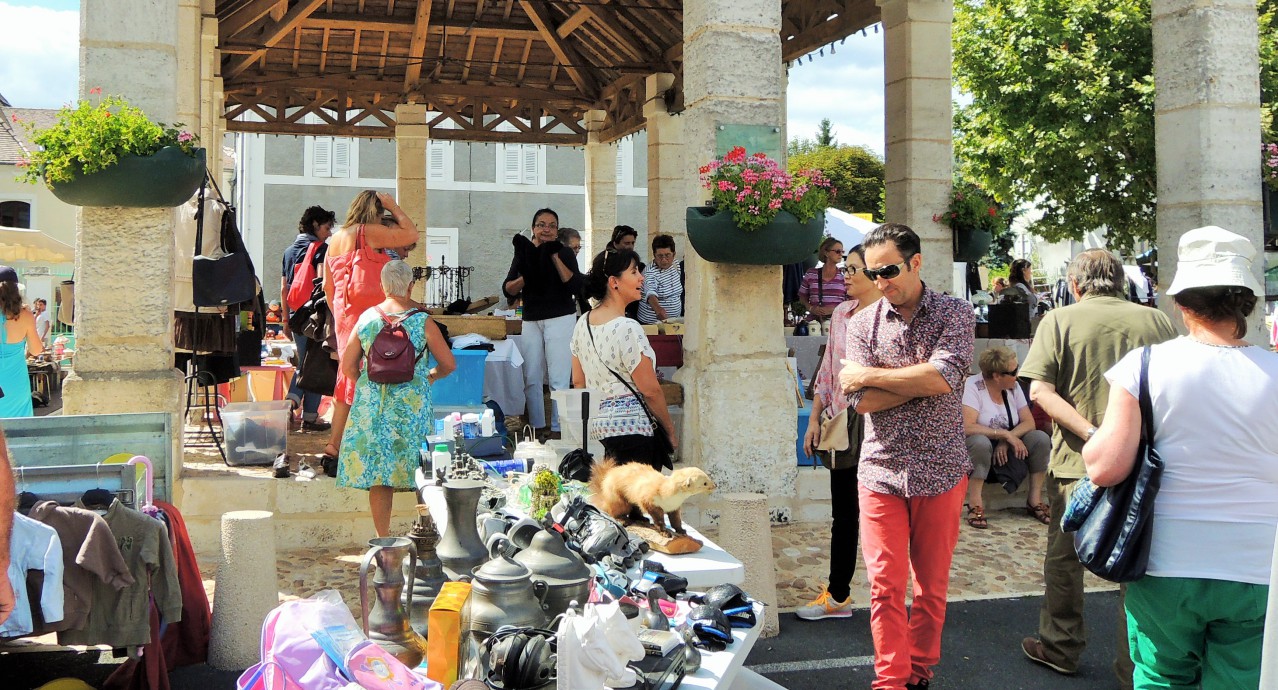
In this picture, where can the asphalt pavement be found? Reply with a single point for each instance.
(980, 649)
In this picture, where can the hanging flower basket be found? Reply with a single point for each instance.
(162, 180)
(971, 245)
(717, 238)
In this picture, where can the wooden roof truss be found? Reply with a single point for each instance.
(488, 70)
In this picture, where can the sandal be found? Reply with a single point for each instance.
(1040, 512)
(976, 517)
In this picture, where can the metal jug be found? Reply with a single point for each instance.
(386, 620)
(429, 574)
(566, 575)
(503, 593)
(461, 550)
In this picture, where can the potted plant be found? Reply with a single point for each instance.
(975, 217)
(112, 154)
(759, 214)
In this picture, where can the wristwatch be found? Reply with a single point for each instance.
(1091, 431)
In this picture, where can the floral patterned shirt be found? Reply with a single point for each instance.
(916, 448)
(827, 378)
(619, 346)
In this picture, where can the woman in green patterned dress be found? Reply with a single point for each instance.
(388, 422)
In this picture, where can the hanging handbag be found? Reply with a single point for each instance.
(1112, 525)
(221, 281)
(664, 447)
(318, 373)
(301, 287)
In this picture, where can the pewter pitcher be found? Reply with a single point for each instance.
(504, 593)
(385, 618)
(460, 549)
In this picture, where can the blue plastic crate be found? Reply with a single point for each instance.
(465, 386)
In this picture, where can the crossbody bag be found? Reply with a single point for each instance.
(659, 434)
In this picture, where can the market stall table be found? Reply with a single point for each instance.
(504, 373)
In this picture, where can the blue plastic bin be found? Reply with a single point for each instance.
(465, 386)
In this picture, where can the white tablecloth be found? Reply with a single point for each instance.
(504, 376)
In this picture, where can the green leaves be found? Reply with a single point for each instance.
(855, 171)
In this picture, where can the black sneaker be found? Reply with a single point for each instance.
(280, 466)
(317, 425)
(921, 685)
(330, 465)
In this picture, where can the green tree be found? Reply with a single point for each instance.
(1062, 109)
(825, 136)
(855, 171)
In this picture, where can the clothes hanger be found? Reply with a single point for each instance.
(97, 498)
(26, 499)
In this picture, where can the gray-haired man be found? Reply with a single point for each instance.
(1073, 347)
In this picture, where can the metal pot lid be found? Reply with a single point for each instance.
(549, 558)
(501, 568)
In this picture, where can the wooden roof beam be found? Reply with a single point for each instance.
(417, 49)
(272, 35)
(851, 20)
(245, 16)
(564, 53)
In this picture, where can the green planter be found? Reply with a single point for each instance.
(971, 245)
(163, 180)
(785, 240)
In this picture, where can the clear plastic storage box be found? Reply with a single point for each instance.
(256, 432)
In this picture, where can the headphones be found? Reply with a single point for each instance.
(520, 658)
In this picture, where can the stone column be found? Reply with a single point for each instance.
(919, 116)
(124, 256)
(412, 136)
(1207, 126)
(601, 189)
(666, 169)
(739, 397)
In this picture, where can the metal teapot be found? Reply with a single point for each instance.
(566, 575)
(504, 593)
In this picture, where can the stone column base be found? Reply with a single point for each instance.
(122, 391)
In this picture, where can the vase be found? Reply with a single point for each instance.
(385, 618)
(461, 550)
(971, 245)
(164, 179)
(716, 237)
(428, 576)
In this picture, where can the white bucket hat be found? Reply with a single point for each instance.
(1214, 257)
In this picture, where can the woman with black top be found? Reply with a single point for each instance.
(544, 273)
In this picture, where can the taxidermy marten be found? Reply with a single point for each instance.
(619, 489)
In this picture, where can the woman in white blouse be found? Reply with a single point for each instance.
(1000, 430)
(611, 356)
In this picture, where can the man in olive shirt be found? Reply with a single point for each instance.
(1073, 348)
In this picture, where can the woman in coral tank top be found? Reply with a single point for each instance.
(352, 282)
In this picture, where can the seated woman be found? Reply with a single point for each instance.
(388, 421)
(1001, 435)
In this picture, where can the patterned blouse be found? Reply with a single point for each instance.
(827, 378)
(618, 345)
(822, 293)
(916, 448)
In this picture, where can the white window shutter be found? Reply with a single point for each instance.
(341, 157)
(512, 164)
(530, 164)
(322, 160)
(621, 166)
(435, 161)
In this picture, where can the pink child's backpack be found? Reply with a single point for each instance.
(291, 658)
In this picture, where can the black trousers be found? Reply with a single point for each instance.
(845, 509)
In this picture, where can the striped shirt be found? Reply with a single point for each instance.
(822, 293)
(667, 285)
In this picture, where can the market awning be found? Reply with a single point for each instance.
(22, 244)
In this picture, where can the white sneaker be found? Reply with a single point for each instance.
(824, 606)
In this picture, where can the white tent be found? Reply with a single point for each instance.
(847, 228)
(21, 244)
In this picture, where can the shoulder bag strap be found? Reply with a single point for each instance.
(1146, 403)
(199, 219)
(1008, 406)
(624, 382)
(399, 322)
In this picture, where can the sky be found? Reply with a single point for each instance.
(39, 61)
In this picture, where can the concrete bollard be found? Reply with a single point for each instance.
(246, 589)
(743, 518)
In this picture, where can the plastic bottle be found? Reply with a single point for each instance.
(487, 423)
(440, 458)
(814, 328)
(470, 425)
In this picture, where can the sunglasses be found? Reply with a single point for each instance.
(887, 272)
(1010, 373)
(851, 270)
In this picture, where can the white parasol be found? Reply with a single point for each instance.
(20, 244)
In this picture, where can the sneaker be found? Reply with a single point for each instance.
(280, 466)
(824, 606)
(920, 684)
(1033, 648)
(317, 425)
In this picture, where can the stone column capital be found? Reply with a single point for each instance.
(410, 114)
(896, 11)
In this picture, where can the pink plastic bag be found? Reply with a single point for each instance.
(375, 669)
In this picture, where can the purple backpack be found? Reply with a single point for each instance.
(291, 658)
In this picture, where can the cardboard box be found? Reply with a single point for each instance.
(651, 329)
(671, 328)
(673, 392)
(444, 627)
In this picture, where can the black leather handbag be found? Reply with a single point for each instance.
(1113, 539)
(318, 371)
(224, 280)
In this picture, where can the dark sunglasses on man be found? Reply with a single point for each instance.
(887, 272)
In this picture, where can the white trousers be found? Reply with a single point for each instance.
(546, 348)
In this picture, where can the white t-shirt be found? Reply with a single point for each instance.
(618, 345)
(989, 413)
(1214, 410)
(42, 325)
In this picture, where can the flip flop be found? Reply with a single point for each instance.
(976, 517)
